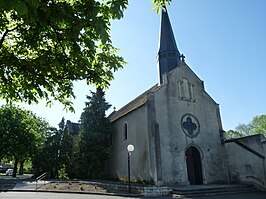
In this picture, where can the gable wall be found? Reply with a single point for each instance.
(170, 108)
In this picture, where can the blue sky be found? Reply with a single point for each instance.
(224, 42)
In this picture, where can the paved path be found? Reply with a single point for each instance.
(22, 182)
(25, 185)
(29, 185)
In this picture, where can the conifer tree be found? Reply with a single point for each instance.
(96, 130)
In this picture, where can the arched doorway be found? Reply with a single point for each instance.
(194, 168)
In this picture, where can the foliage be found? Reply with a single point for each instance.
(233, 134)
(53, 156)
(256, 126)
(20, 133)
(45, 45)
(95, 139)
(158, 4)
(62, 174)
(46, 157)
(28, 167)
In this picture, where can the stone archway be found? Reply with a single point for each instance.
(194, 166)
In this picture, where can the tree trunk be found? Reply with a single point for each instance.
(15, 168)
(21, 167)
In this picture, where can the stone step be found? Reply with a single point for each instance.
(201, 190)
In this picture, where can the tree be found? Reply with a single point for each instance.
(256, 126)
(96, 130)
(233, 134)
(66, 150)
(20, 134)
(45, 45)
(46, 157)
(54, 153)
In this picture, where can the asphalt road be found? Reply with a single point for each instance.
(39, 195)
(34, 195)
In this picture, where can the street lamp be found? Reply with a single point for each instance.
(130, 148)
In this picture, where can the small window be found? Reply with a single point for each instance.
(125, 131)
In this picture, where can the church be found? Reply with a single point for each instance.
(176, 130)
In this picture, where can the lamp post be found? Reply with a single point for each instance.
(130, 148)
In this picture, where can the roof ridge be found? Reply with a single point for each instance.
(133, 104)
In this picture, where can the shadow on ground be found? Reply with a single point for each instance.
(8, 182)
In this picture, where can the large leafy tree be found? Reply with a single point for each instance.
(20, 133)
(45, 45)
(256, 126)
(96, 130)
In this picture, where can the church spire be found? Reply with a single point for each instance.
(168, 55)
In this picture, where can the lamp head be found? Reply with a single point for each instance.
(130, 148)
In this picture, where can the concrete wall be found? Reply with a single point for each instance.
(137, 135)
(245, 166)
(170, 107)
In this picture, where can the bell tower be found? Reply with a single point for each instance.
(168, 55)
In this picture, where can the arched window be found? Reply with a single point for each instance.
(185, 90)
(125, 131)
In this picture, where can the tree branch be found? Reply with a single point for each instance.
(3, 38)
(59, 39)
(5, 34)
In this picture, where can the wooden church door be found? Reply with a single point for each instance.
(194, 168)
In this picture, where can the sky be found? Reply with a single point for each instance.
(224, 42)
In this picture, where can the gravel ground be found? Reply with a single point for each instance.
(72, 186)
(77, 186)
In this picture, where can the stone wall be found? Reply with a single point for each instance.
(155, 191)
(184, 93)
(155, 129)
(137, 135)
(246, 160)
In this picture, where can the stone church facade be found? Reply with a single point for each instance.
(177, 132)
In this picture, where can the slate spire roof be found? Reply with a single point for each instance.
(168, 55)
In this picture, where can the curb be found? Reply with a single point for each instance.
(74, 192)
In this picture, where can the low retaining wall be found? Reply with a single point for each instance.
(143, 190)
(156, 191)
(146, 191)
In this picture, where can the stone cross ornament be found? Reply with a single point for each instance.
(190, 125)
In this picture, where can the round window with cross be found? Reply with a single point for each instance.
(190, 125)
